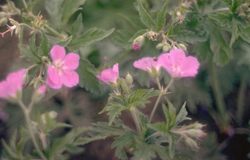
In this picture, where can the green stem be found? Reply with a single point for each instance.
(218, 95)
(217, 10)
(25, 4)
(241, 98)
(54, 32)
(28, 121)
(169, 84)
(136, 120)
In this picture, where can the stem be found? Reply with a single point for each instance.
(218, 10)
(27, 119)
(25, 4)
(162, 92)
(136, 120)
(158, 83)
(218, 95)
(52, 31)
(30, 67)
(241, 99)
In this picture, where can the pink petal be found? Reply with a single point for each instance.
(145, 63)
(116, 68)
(190, 67)
(177, 56)
(57, 53)
(165, 61)
(53, 85)
(136, 47)
(108, 75)
(3, 89)
(15, 81)
(70, 78)
(71, 61)
(54, 75)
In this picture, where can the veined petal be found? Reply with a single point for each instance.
(57, 53)
(165, 61)
(108, 75)
(70, 78)
(190, 67)
(145, 63)
(53, 85)
(177, 56)
(71, 61)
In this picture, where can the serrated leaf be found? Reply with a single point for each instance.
(85, 140)
(143, 150)
(33, 47)
(161, 16)
(53, 9)
(65, 42)
(77, 26)
(224, 20)
(87, 76)
(146, 18)
(133, 22)
(104, 129)
(69, 8)
(114, 111)
(122, 39)
(59, 145)
(182, 115)
(27, 54)
(159, 127)
(90, 36)
(162, 152)
(45, 44)
(170, 115)
(203, 50)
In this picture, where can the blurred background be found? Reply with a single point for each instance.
(227, 131)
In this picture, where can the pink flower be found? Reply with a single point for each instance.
(62, 70)
(147, 63)
(109, 75)
(136, 47)
(178, 65)
(12, 86)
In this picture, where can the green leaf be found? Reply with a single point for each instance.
(27, 54)
(104, 129)
(90, 36)
(162, 152)
(182, 115)
(170, 115)
(143, 78)
(143, 119)
(87, 74)
(124, 140)
(45, 44)
(85, 140)
(59, 145)
(224, 20)
(234, 32)
(69, 8)
(31, 5)
(146, 18)
(159, 127)
(8, 150)
(65, 42)
(171, 146)
(77, 26)
(122, 39)
(161, 16)
(244, 33)
(33, 47)
(53, 9)
(203, 50)
(114, 111)
(20, 146)
(132, 21)
(143, 150)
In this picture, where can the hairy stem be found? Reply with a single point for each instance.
(28, 121)
(218, 95)
(136, 120)
(241, 98)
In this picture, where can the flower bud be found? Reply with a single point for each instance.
(159, 46)
(166, 47)
(191, 143)
(129, 79)
(3, 22)
(3, 15)
(152, 35)
(39, 94)
(26, 79)
(138, 42)
(182, 46)
(195, 133)
(124, 87)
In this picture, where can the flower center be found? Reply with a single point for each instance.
(59, 66)
(176, 69)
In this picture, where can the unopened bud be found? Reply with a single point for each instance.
(124, 87)
(13, 22)
(138, 42)
(26, 79)
(3, 22)
(195, 133)
(166, 47)
(3, 15)
(159, 46)
(129, 79)
(39, 94)
(191, 143)
(154, 72)
(182, 46)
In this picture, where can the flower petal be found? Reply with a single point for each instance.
(177, 56)
(54, 75)
(108, 75)
(70, 78)
(57, 53)
(145, 63)
(190, 67)
(165, 61)
(53, 85)
(3, 89)
(116, 68)
(71, 61)
(15, 81)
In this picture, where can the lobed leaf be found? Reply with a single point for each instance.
(146, 18)
(161, 16)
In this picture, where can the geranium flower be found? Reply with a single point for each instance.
(148, 64)
(109, 75)
(178, 65)
(12, 86)
(61, 72)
